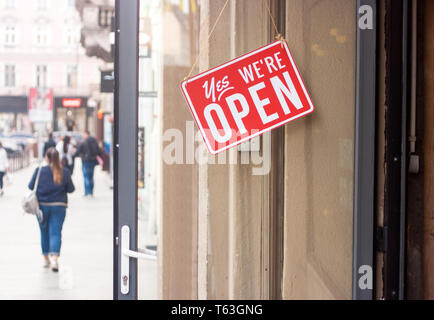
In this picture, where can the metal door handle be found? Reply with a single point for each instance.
(126, 254)
(138, 254)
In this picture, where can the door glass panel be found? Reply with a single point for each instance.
(320, 148)
(147, 144)
(167, 48)
(217, 234)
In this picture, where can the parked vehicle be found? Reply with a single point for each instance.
(10, 145)
(23, 139)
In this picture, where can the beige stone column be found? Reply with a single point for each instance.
(231, 198)
(178, 188)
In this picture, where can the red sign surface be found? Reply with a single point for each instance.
(247, 96)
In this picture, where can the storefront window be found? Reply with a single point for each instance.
(211, 216)
(319, 152)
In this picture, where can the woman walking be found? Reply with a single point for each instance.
(66, 153)
(4, 165)
(54, 184)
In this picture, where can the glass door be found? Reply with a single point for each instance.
(156, 45)
(128, 138)
(147, 155)
(213, 216)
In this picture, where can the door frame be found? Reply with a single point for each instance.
(365, 155)
(395, 192)
(125, 138)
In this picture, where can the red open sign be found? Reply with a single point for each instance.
(247, 96)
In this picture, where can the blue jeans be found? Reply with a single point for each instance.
(88, 170)
(51, 229)
(2, 174)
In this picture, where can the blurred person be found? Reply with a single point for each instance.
(48, 144)
(4, 165)
(88, 150)
(70, 123)
(74, 144)
(66, 153)
(54, 185)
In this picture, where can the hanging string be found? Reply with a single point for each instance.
(209, 36)
(278, 35)
(276, 30)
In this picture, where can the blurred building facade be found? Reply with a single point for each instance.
(40, 48)
(97, 39)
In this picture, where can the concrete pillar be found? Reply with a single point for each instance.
(231, 204)
(178, 188)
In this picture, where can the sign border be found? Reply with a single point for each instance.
(200, 75)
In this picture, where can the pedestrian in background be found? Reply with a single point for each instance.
(54, 185)
(88, 150)
(4, 165)
(66, 152)
(48, 144)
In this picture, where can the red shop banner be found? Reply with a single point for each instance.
(71, 103)
(247, 96)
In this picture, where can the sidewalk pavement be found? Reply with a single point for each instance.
(86, 256)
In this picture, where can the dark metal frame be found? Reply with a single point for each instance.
(365, 151)
(396, 148)
(125, 137)
(414, 284)
(403, 183)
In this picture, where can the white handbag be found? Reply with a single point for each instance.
(30, 202)
(9, 178)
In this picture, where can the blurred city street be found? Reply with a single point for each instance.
(86, 257)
